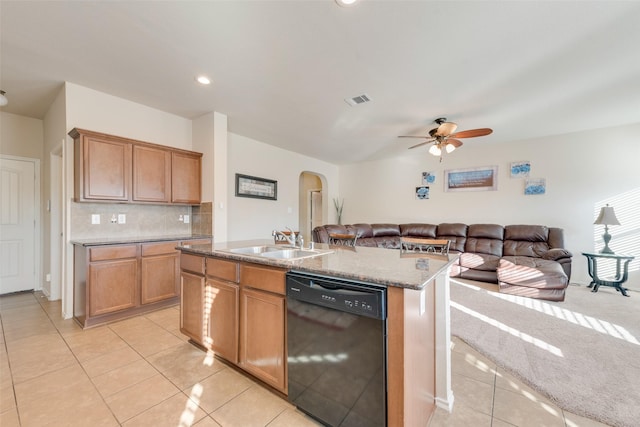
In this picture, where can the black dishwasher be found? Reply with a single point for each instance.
(336, 342)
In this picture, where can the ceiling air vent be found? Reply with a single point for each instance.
(360, 99)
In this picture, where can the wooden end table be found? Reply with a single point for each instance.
(622, 271)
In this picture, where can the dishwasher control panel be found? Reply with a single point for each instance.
(352, 297)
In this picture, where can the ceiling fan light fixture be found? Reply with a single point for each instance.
(3, 99)
(449, 148)
(435, 150)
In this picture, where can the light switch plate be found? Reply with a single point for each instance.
(186, 219)
(95, 219)
(122, 219)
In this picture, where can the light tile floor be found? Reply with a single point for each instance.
(143, 372)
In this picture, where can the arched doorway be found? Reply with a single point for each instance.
(313, 203)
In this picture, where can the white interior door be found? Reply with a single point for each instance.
(17, 226)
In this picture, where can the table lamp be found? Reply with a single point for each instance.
(607, 217)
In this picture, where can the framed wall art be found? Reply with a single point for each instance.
(473, 179)
(257, 188)
(520, 169)
(422, 193)
(535, 186)
(428, 178)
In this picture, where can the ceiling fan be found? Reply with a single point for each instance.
(445, 137)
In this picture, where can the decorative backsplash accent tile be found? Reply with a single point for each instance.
(203, 219)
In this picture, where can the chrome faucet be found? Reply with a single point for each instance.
(291, 238)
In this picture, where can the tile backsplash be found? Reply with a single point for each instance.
(141, 220)
(203, 219)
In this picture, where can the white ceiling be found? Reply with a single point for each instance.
(281, 69)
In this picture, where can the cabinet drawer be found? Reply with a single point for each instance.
(192, 263)
(222, 269)
(104, 253)
(265, 278)
(162, 248)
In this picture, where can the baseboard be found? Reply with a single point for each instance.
(447, 404)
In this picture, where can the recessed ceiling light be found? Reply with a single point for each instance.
(203, 80)
(345, 2)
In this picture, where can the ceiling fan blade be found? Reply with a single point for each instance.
(472, 133)
(412, 136)
(446, 129)
(419, 145)
(453, 142)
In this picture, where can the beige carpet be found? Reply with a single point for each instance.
(583, 353)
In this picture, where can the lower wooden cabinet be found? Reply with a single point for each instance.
(114, 286)
(221, 314)
(192, 307)
(262, 336)
(160, 272)
(237, 310)
(115, 281)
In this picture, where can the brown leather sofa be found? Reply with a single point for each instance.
(525, 260)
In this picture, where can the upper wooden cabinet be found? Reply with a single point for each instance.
(112, 168)
(102, 167)
(186, 173)
(151, 174)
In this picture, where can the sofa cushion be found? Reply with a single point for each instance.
(362, 230)
(418, 230)
(531, 273)
(479, 261)
(385, 230)
(526, 240)
(456, 233)
(485, 239)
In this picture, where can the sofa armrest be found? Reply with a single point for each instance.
(556, 254)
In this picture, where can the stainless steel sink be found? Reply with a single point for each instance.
(293, 253)
(255, 250)
(278, 252)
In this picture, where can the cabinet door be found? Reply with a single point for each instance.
(192, 291)
(160, 277)
(185, 178)
(262, 337)
(112, 286)
(221, 310)
(106, 169)
(151, 174)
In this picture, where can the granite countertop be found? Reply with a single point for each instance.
(136, 239)
(380, 266)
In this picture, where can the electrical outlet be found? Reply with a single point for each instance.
(186, 219)
(122, 219)
(95, 219)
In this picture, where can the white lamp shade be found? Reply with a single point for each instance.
(607, 216)
(3, 99)
(435, 150)
(449, 147)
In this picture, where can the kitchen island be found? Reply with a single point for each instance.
(234, 304)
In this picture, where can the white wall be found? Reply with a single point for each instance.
(21, 136)
(101, 112)
(55, 137)
(256, 218)
(583, 171)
